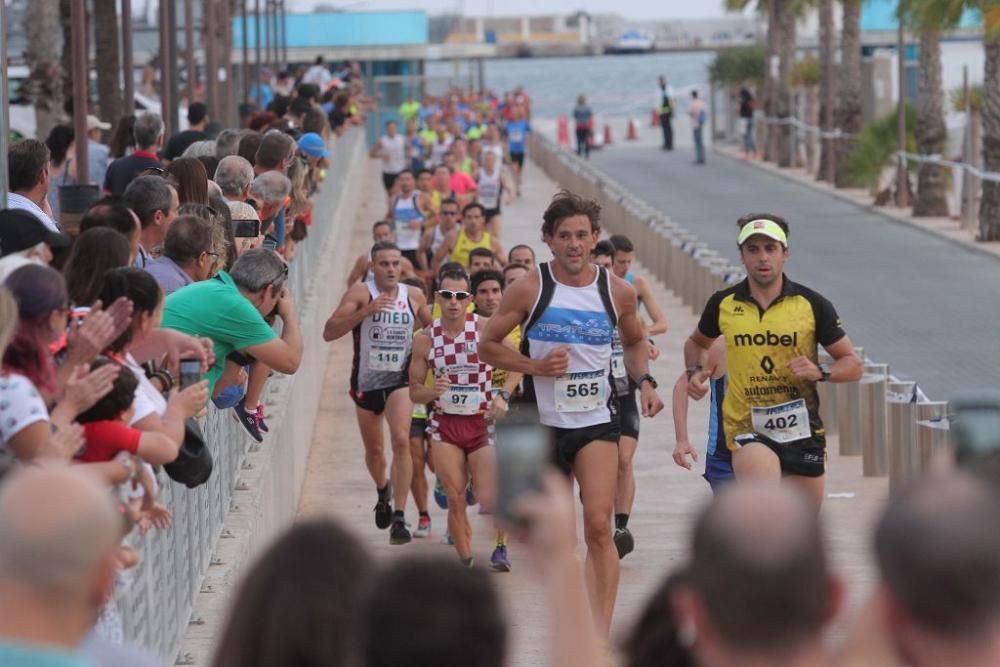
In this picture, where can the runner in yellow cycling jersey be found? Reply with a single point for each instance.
(772, 326)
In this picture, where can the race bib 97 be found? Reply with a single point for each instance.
(386, 359)
(461, 399)
(786, 422)
(581, 392)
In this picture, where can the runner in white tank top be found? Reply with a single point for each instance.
(567, 310)
(382, 314)
(492, 186)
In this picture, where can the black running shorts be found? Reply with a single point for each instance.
(568, 442)
(628, 414)
(374, 400)
(806, 457)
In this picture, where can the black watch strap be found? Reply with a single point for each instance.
(652, 381)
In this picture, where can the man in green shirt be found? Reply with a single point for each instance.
(230, 309)
(409, 109)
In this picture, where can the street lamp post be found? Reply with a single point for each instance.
(902, 176)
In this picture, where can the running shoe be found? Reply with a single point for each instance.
(248, 420)
(624, 542)
(446, 539)
(468, 562)
(399, 533)
(261, 424)
(470, 497)
(499, 560)
(440, 495)
(423, 527)
(383, 509)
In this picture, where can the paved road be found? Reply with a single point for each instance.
(667, 497)
(929, 309)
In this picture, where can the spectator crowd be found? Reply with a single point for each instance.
(168, 297)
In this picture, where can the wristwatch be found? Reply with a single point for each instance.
(691, 370)
(647, 378)
(505, 395)
(825, 370)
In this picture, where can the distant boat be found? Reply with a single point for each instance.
(632, 41)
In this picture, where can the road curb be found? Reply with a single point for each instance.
(869, 208)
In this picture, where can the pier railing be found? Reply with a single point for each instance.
(890, 423)
(178, 594)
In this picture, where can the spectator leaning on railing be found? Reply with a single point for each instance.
(234, 176)
(155, 202)
(270, 190)
(230, 310)
(187, 254)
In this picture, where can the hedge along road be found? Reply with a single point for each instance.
(928, 308)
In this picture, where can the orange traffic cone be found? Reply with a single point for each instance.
(632, 133)
(562, 133)
(607, 134)
(654, 118)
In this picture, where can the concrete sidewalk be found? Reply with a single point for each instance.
(667, 497)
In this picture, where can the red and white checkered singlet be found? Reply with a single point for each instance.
(459, 358)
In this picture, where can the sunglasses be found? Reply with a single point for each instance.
(448, 294)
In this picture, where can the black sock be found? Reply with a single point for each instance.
(383, 492)
(425, 514)
(398, 516)
(621, 521)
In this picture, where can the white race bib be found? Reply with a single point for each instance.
(581, 392)
(386, 359)
(618, 364)
(461, 399)
(783, 423)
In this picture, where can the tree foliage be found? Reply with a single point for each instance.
(875, 146)
(739, 65)
(806, 73)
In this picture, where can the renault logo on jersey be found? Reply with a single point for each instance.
(767, 365)
(766, 338)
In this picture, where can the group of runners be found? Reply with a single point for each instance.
(451, 333)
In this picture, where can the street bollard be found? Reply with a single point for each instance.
(827, 398)
(874, 462)
(688, 246)
(902, 432)
(663, 236)
(849, 416)
(712, 268)
(693, 275)
(932, 433)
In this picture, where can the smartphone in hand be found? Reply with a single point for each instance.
(190, 372)
(523, 452)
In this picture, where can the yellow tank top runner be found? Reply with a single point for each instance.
(464, 245)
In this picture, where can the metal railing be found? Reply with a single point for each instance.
(890, 423)
(175, 564)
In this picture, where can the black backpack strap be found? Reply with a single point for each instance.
(604, 287)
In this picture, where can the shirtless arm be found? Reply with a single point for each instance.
(353, 308)
(645, 292)
(514, 309)
(634, 344)
(442, 252)
(716, 366)
(419, 392)
(498, 252)
(422, 310)
(358, 270)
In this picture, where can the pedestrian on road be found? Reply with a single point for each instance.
(747, 105)
(584, 119)
(665, 107)
(772, 328)
(698, 115)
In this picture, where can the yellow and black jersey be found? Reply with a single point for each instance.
(759, 346)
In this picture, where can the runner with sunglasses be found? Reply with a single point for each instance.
(382, 314)
(460, 424)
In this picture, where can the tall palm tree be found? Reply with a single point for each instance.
(849, 115)
(826, 50)
(989, 205)
(43, 54)
(106, 59)
(787, 17)
(929, 18)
